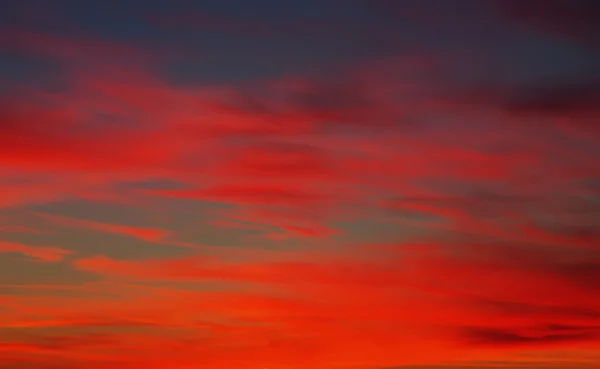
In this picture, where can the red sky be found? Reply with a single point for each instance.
(305, 184)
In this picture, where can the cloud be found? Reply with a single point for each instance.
(268, 194)
(73, 50)
(553, 335)
(37, 253)
(145, 234)
(559, 101)
(573, 20)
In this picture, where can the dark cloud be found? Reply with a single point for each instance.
(538, 310)
(576, 20)
(549, 335)
(574, 104)
(585, 274)
(580, 99)
(500, 365)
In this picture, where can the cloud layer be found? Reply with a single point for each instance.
(424, 201)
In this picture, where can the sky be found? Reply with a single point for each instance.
(316, 184)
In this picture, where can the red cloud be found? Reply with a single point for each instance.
(256, 194)
(146, 234)
(39, 253)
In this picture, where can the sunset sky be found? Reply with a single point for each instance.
(300, 184)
